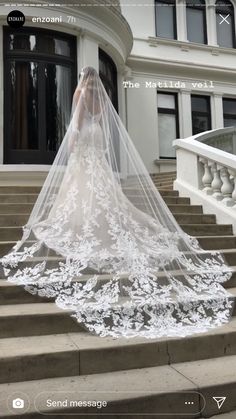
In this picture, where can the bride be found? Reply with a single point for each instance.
(101, 241)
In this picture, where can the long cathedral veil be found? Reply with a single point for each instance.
(102, 242)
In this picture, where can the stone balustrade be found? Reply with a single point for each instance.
(206, 172)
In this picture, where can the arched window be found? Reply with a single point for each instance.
(165, 14)
(225, 24)
(196, 21)
(108, 75)
(40, 77)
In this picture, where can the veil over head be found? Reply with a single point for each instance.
(102, 242)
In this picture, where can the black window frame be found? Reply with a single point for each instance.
(219, 9)
(198, 6)
(30, 156)
(169, 111)
(167, 2)
(203, 113)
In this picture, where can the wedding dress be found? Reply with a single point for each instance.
(101, 241)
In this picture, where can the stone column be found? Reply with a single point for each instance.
(217, 116)
(211, 23)
(185, 115)
(181, 20)
(89, 53)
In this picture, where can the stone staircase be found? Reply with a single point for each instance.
(45, 355)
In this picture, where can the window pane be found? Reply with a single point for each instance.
(38, 43)
(229, 106)
(224, 31)
(195, 25)
(201, 114)
(200, 123)
(58, 96)
(230, 122)
(51, 45)
(24, 105)
(108, 74)
(167, 133)
(166, 101)
(22, 41)
(199, 104)
(165, 18)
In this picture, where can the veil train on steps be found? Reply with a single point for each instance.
(103, 244)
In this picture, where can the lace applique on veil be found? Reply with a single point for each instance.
(106, 246)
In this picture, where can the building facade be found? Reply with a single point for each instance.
(40, 66)
(168, 66)
(184, 61)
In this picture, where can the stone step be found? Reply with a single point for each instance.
(11, 293)
(230, 256)
(18, 198)
(132, 191)
(165, 193)
(206, 242)
(163, 174)
(178, 208)
(170, 177)
(163, 182)
(157, 182)
(49, 356)
(8, 208)
(169, 200)
(5, 247)
(217, 242)
(10, 233)
(35, 319)
(176, 200)
(207, 229)
(13, 219)
(19, 189)
(166, 187)
(149, 391)
(186, 218)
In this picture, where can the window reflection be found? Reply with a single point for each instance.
(37, 93)
(165, 15)
(196, 21)
(225, 31)
(36, 42)
(201, 113)
(229, 109)
(168, 127)
(58, 97)
(24, 99)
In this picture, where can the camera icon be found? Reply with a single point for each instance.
(18, 403)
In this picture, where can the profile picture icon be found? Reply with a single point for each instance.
(16, 19)
(18, 403)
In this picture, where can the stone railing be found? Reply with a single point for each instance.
(207, 173)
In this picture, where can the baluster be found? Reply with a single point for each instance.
(217, 182)
(227, 187)
(207, 177)
(233, 174)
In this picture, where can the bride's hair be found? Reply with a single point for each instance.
(87, 73)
